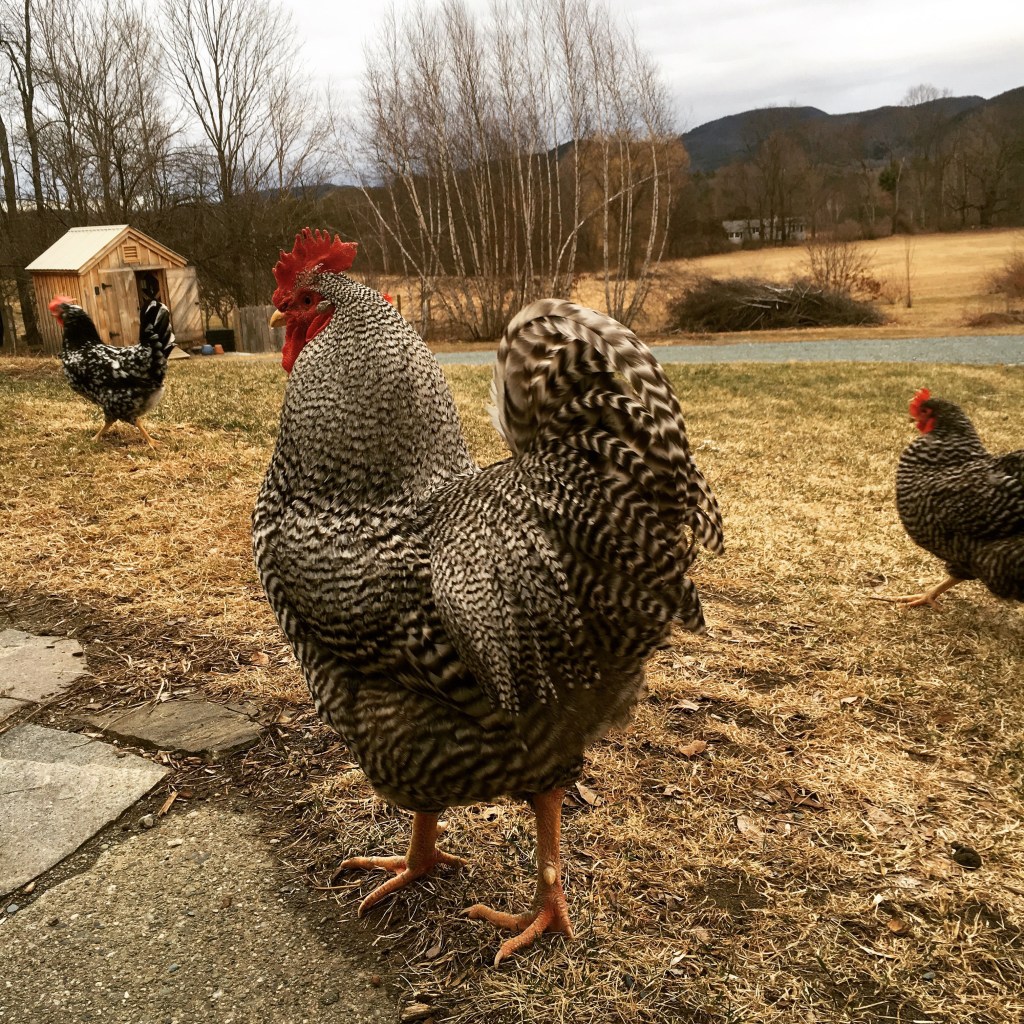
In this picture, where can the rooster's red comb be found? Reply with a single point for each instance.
(920, 397)
(313, 249)
(60, 300)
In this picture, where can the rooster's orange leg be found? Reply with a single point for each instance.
(421, 857)
(107, 424)
(929, 597)
(549, 912)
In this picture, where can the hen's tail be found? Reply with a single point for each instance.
(570, 375)
(155, 329)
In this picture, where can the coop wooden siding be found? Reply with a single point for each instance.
(47, 285)
(149, 256)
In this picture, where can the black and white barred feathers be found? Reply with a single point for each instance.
(467, 631)
(962, 504)
(125, 382)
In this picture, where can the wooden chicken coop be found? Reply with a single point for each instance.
(100, 268)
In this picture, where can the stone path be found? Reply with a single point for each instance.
(189, 922)
(184, 726)
(181, 919)
(36, 668)
(57, 789)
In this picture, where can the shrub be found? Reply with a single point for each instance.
(838, 265)
(1008, 280)
(747, 304)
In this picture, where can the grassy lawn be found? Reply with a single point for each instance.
(797, 868)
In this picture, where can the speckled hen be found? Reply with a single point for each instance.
(125, 382)
(470, 631)
(960, 503)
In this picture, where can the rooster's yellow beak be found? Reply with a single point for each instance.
(277, 320)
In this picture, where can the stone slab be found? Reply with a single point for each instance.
(57, 790)
(185, 726)
(38, 667)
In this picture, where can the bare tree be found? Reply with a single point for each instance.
(489, 183)
(261, 135)
(928, 154)
(986, 150)
(908, 270)
(13, 228)
(16, 42)
(17, 32)
(108, 143)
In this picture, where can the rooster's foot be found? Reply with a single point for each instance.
(552, 916)
(423, 856)
(912, 600)
(929, 597)
(550, 913)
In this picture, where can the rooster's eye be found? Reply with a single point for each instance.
(307, 299)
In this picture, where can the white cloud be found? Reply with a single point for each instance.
(720, 57)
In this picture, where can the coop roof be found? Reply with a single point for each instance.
(77, 248)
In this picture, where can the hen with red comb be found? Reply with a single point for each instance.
(961, 503)
(125, 382)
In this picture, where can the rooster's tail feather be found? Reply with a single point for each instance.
(571, 375)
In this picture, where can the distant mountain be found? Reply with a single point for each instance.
(719, 142)
(873, 132)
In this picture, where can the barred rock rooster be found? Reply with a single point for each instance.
(470, 631)
(960, 503)
(125, 382)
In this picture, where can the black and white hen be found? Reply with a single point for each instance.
(126, 383)
(469, 632)
(961, 503)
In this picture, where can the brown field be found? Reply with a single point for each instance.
(948, 280)
(797, 869)
(949, 275)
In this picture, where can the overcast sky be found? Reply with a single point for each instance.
(721, 57)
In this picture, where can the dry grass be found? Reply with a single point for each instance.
(798, 870)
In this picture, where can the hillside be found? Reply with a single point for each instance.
(717, 143)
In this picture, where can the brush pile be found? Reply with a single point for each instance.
(748, 304)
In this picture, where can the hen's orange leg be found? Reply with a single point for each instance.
(107, 424)
(421, 857)
(929, 597)
(147, 437)
(549, 912)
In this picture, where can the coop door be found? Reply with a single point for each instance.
(121, 304)
(183, 302)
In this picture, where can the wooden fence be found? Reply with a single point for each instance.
(253, 332)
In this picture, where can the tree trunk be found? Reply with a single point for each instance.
(13, 222)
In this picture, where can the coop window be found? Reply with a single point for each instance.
(130, 252)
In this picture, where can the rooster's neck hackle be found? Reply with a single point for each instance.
(368, 415)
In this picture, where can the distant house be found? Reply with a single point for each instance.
(99, 267)
(739, 231)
